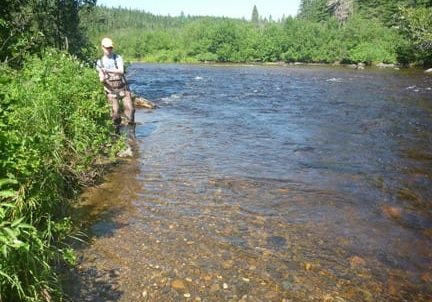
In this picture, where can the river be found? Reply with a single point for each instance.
(266, 183)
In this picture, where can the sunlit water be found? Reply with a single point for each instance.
(257, 183)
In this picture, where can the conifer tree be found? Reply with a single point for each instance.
(341, 9)
(314, 10)
(255, 15)
(29, 26)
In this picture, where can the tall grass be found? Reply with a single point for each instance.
(54, 127)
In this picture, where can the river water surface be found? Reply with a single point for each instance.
(255, 183)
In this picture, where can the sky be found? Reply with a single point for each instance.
(216, 8)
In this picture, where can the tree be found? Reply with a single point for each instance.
(255, 15)
(314, 10)
(416, 24)
(341, 9)
(29, 26)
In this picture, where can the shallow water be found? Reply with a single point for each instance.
(257, 183)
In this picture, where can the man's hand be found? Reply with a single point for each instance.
(102, 77)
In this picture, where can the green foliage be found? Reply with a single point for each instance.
(368, 53)
(25, 273)
(142, 36)
(314, 10)
(369, 41)
(388, 11)
(61, 118)
(58, 124)
(416, 24)
(54, 127)
(270, 44)
(310, 42)
(27, 27)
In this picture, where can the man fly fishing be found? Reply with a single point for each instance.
(111, 74)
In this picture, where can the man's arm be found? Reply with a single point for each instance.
(100, 69)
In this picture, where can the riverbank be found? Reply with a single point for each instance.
(56, 138)
(358, 66)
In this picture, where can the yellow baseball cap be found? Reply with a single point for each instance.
(107, 42)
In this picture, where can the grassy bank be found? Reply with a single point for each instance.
(55, 129)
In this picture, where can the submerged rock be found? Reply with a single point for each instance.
(392, 212)
(357, 262)
(178, 284)
(127, 152)
(383, 65)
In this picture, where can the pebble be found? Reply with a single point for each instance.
(287, 285)
(206, 277)
(225, 286)
(228, 264)
(427, 277)
(357, 261)
(214, 288)
(271, 295)
(187, 295)
(178, 284)
(115, 273)
(392, 212)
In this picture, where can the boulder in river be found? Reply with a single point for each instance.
(141, 102)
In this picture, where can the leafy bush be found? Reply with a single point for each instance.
(368, 41)
(311, 42)
(55, 126)
(369, 53)
(416, 25)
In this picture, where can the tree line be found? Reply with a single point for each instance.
(325, 31)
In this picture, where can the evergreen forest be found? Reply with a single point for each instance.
(56, 134)
(324, 31)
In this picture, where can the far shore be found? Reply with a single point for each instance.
(358, 66)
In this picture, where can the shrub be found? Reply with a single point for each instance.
(369, 53)
(55, 125)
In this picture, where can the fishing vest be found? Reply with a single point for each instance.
(113, 81)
